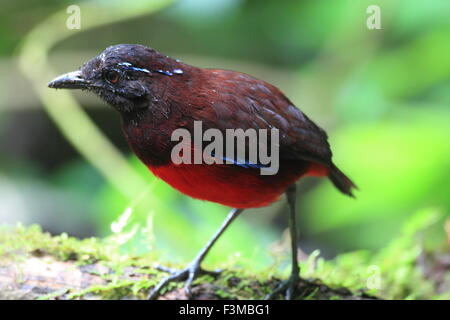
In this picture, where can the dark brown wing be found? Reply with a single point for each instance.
(242, 101)
(224, 99)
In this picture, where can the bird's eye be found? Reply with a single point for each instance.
(112, 76)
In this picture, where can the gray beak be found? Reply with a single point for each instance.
(71, 80)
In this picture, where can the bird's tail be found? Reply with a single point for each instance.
(341, 181)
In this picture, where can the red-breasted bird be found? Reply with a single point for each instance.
(156, 94)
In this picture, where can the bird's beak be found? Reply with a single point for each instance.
(71, 80)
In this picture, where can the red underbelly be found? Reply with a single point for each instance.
(231, 185)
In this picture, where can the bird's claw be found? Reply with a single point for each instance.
(287, 286)
(165, 269)
(187, 274)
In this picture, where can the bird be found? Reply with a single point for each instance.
(156, 95)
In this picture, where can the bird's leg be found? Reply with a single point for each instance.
(193, 269)
(289, 285)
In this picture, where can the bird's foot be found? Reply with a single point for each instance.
(288, 287)
(187, 274)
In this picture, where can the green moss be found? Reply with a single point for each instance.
(20, 243)
(32, 240)
(392, 273)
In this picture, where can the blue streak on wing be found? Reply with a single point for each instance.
(242, 163)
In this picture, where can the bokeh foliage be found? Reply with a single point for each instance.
(382, 95)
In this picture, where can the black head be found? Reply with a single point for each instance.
(123, 75)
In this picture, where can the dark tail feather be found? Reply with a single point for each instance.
(341, 181)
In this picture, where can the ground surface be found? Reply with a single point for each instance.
(35, 265)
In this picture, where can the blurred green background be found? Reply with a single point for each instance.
(382, 95)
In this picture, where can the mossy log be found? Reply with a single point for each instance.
(35, 265)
